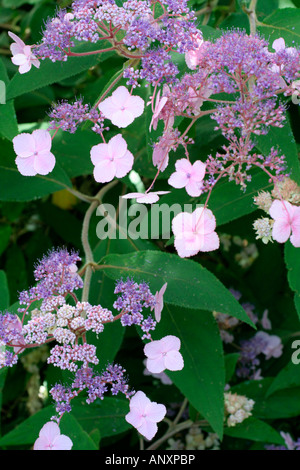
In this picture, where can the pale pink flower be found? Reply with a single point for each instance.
(33, 153)
(273, 346)
(22, 55)
(160, 156)
(279, 45)
(164, 354)
(122, 107)
(111, 160)
(145, 198)
(189, 176)
(159, 104)
(14, 324)
(159, 302)
(287, 222)
(51, 439)
(193, 57)
(195, 232)
(165, 380)
(144, 414)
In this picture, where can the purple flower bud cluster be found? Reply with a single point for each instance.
(68, 117)
(96, 386)
(55, 275)
(133, 299)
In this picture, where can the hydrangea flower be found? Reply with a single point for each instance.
(51, 439)
(188, 176)
(33, 153)
(287, 222)
(195, 232)
(22, 55)
(147, 198)
(159, 104)
(159, 302)
(122, 107)
(193, 56)
(164, 354)
(111, 160)
(272, 345)
(144, 414)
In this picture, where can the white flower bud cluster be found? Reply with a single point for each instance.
(195, 440)
(264, 201)
(238, 408)
(263, 228)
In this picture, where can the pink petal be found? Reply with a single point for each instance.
(50, 431)
(184, 165)
(281, 210)
(198, 170)
(148, 429)
(134, 418)
(137, 105)
(118, 146)
(193, 188)
(187, 247)
(41, 443)
(281, 230)
(182, 222)
(108, 107)
(16, 49)
(43, 141)
(139, 401)
(120, 96)
(19, 59)
(178, 179)
(170, 343)
(124, 164)
(153, 349)
(105, 171)
(26, 166)
(62, 442)
(44, 163)
(24, 145)
(295, 237)
(122, 118)
(211, 242)
(16, 39)
(174, 361)
(156, 365)
(156, 412)
(100, 152)
(25, 68)
(278, 44)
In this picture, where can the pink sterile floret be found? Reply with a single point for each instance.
(51, 439)
(159, 104)
(22, 55)
(195, 232)
(111, 160)
(144, 414)
(145, 198)
(159, 302)
(189, 176)
(287, 222)
(193, 56)
(164, 354)
(122, 107)
(33, 153)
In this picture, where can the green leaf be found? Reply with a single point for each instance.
(230, 365)
(283, 23)
(4, 292)
(5, 233)
(288, 377)
(50, 72)
(189, 284)
(27, 432)
(8, 120)
(16, 187)
(292, 260)
(107, 416)
(202, 379)
(255, 430)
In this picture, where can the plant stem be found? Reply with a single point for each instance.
(89, 258)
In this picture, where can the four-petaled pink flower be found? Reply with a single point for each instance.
(287, 222)
(189, 176)
(195, 232)
(111, 160)
(33, 153)
(22, 55)
(144, 414)
(51, 439)
(159, 302)
(145, 198)
(122, 107)
(159, 104)
(164, 354)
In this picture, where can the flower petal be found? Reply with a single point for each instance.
(26, 166)
(24, 145)
(105, 171)
(44, 163)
